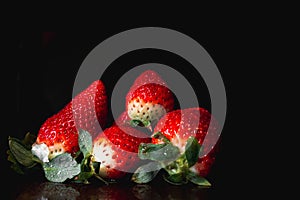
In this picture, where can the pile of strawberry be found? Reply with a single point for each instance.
(148, 137)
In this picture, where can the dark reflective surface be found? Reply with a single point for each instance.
(33, 186)
(118, 191)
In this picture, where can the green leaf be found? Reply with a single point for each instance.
(106, 182)
(61, 167)
(135, 123)
(147, 124)
(86, 170)
(15, 165)
(29, 139)
(84, 176)
(145, 149)
(21, 153)
(17, 168)
(160, 136)
(158, 152)
(175, 179)
(192, 150)
(146, 173)
(95, 165)
(85, 142)
(11, 157)
(198, 180)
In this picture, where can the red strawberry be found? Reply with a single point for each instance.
(59, 133)
(148, 99)
(177, 126)
(184, 143)
(148, 76)
(117, 150)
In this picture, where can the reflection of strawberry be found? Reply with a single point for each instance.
(116, 149)
(177, 126)
(59, 133)
(112, 191)
(148, 99)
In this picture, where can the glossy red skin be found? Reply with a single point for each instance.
(124, 142)
(126, 138)
(185, 123)
(61, 127)
(153, 93)
(148, 76)
(150, 87)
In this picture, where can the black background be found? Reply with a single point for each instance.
(39, 76)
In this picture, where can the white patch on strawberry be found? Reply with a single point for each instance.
(194, 169)
(56, 150)
(178, 142)
(104, 153)
(41, 151)
(145, 111)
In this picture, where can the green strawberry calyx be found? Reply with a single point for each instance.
(176, 165)
(137, 122)
(23, 156)
(81, 167)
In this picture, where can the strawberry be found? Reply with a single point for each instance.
(148, 99)
(116, 149)
(148, 76)
(59, 133)
(178, 126)
(193, 133)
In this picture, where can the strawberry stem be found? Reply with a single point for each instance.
(135, 123)
(179, 170)
(101, 179)
(146, 124)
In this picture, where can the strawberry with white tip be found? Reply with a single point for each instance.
(116, 149)
(179, 125)
(148, 99)
(192, 136)
(59, 133)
